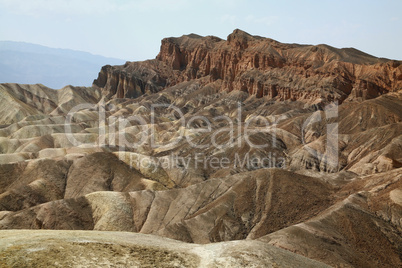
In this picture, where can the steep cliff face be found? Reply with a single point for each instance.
(132, 79)
(259, 66)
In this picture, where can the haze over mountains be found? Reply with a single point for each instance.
(245, 151)
(27, 63)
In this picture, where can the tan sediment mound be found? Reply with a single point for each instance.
(216, 210)
(214, 140)
(113, 249)
(366, 221)
(19, 101)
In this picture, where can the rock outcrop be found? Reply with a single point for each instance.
(260, 66)
(272, 145)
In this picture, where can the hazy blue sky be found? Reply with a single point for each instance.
(132, 30)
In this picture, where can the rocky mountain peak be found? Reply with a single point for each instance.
(259, 66)
(239, 39)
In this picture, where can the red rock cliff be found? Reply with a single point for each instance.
(259, 66)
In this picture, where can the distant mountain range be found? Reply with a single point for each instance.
(27, 63)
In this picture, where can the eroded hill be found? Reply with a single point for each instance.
(288, 145)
